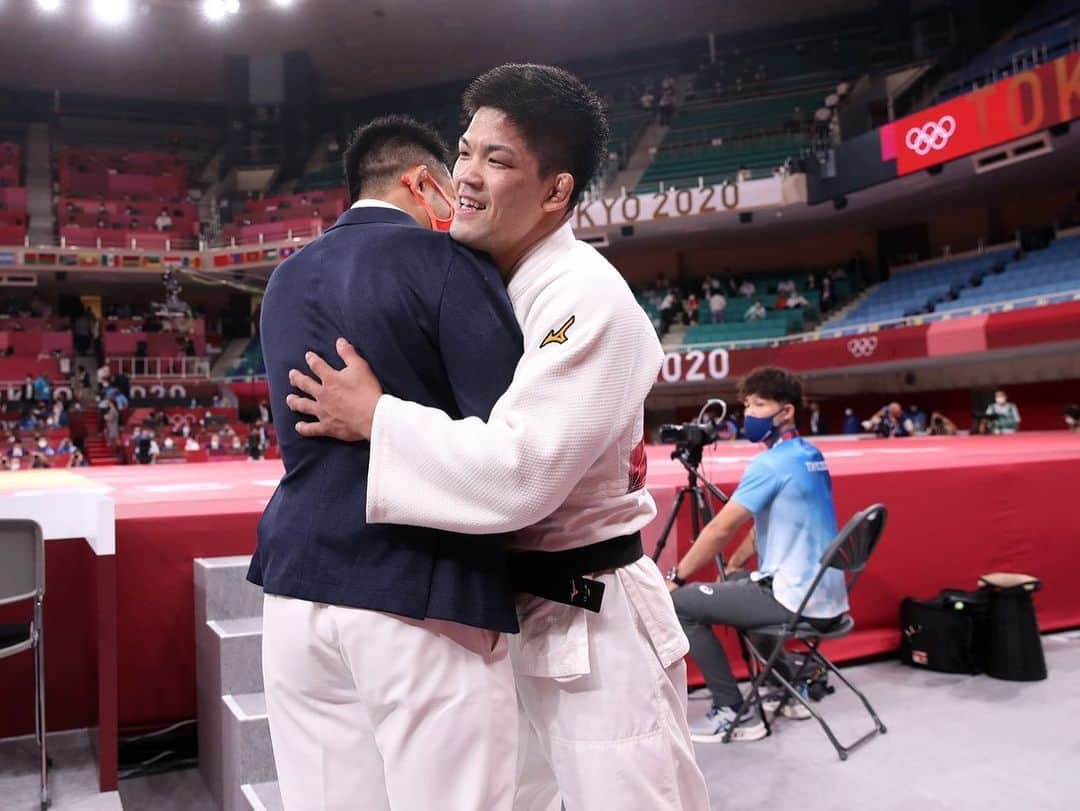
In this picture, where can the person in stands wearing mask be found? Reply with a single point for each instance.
(1004, 416)
(388, 679)
(787, 492)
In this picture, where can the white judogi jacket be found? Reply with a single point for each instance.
(559, 460)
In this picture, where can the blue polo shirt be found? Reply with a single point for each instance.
(789, 491)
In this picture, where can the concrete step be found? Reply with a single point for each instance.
(228, 661)
(263, 796)
(247, 756)
(222, 591)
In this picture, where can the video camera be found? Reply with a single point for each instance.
(693, 436)
(690, 434)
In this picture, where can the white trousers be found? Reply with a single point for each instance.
(603, 699)
(375, 712)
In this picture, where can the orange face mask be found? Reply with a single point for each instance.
(437, 223)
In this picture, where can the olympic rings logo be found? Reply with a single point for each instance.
(932, 136)
(862, 347)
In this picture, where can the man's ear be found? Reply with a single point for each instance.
(561, 190)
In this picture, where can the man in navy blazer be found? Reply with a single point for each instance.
(387, 677)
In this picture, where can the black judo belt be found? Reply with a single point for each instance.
(561, 576)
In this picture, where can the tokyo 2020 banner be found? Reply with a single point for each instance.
(1003, 111)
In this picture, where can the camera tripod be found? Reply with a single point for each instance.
(701, 512)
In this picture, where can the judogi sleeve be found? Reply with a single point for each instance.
(591, 357)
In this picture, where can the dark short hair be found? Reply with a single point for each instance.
(563, 121)
(773, 383)
(389, 146)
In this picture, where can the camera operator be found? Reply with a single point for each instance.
(787, 492)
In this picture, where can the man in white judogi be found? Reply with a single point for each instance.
(560, 461)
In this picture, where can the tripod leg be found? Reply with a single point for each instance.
(669, 524)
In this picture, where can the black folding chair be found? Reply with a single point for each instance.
(849, 552)
(22, 577)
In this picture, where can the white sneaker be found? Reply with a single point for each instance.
(790, 708)
(718, 720)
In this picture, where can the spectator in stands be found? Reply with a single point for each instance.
(668, 309)
(42, 389)
(755, 312)
(122, 384)
(786, 287)
(65, 447)
(918, 418)
(236, 444)
(747, 288)
(817, 422)
(17, 450)
(890, 421)
(940, 425)
(77, 459)
(42, 446)
(111, 417)
(667, 106)
(104, 374)
(717, 305)
(26, 394)
(1004, 416)
(168, 444)
(39, 461)
(781, 301)
(797, 301)
(826, 295)
(5, 464)
(146, 448)
(264, 413)
(693, 309)
(215, 443)
(1072, 417)
(191, 444)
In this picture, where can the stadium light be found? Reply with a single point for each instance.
(214, 10)
(112, 12)
(232, 6)
(49, 6)
(284, 3)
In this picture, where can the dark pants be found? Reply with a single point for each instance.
(739, 602)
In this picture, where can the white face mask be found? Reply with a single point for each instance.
(1000, 400)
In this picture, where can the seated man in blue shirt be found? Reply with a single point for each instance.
(787, 492)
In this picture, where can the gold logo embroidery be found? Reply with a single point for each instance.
(558, 336)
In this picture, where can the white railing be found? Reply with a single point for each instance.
(1001, 306)
(179, 367)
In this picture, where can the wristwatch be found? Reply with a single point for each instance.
(674, 578)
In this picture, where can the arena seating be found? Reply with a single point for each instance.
(990, 278)
(13, 220)
(273, 219)
(914, 291)
(1048, 272)
(1045, 34)
(112, 198)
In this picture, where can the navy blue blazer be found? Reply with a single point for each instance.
(434, 321)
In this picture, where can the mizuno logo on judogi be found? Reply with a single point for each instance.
(558, 336)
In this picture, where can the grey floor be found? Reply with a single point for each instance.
(954, 743)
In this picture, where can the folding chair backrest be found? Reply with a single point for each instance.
(849, 550)
(22, 560)
(852, 547)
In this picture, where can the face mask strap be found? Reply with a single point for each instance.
(437, 223)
